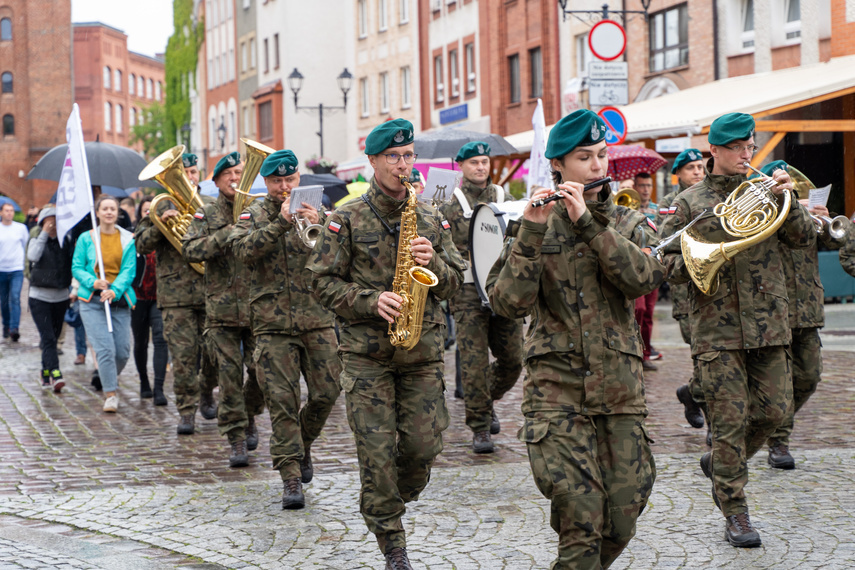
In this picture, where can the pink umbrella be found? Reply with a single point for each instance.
(625, 161)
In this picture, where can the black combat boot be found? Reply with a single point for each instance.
(251, 434)
(207, 404)
(780, 458)
(691, 409)
(239, 456)
(397, 560)
(740, 532)
(481, 442)
(495, 426)
(292, 494)
(159, 397)
(187, 424)
(307, 471)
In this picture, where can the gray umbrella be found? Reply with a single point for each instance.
(109, 165)
(446, 142)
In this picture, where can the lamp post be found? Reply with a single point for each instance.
(221, 134)
(185, 135)
(295, 82)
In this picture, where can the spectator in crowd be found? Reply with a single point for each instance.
(32, 217)
(112, 349)
(13, 244)
(145, 319)
(129, 206)
(645, 305)
(50, 277)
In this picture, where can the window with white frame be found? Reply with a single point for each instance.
(118, 80)
(583, 55)
(132, 117)
(439, 91)
(535, 61)
(157, 91)
(792, 21)
(108, 76)
(252, 59)
(244, 61)
(406, 97)
(404, 9)
(454, 72)
(470, 67)
(669, 38)
(384, 92)
(747, 19)
(119, 116)
(362, 15)
(233, 125)
(514, 77)
(363, 94)
(149, 88)
(382, 16)
(108, 117)
(140, 87)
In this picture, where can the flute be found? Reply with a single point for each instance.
(543, 201)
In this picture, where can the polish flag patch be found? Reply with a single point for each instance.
(663, 211)
(334, 227)
(199, 215)
(246, 216)
(672, 210)
(651, 224)
(446, 225)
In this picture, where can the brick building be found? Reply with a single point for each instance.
(222, 95)
(35, 99)
(112, 85)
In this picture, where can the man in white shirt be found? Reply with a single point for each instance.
(13, 244)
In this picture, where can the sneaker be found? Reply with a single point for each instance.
(647, 365)
(187, 424)
(740, 532)
(111, 404)
(307, 470)
(292, 494)
(396, 559)
(780, 458)
(655, 354)
(239, 456)
(495, 426)
(481, 442)
(45, 378)
(15, 335)
(81, 359)
(58, 382)
(96, 381)
(251, 434)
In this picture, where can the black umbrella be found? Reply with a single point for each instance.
(109, 165)
(446, 142)
(334, 187)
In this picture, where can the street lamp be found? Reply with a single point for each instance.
(295, 83)
(185, 135)
(221, 133)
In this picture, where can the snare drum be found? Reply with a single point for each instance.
(487, 230)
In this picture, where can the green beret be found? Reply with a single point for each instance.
(773, 166)
(470, 149)
(189, 159)
(685, 157)
(279, 163)
(731, 127)
(389, 134)
(580, 128)
(416, 176)
(228, 161)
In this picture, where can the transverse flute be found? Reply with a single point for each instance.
(542, 201)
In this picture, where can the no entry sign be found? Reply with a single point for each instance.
(615, 123)
(607, 40)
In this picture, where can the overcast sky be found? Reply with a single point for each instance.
(148, 23)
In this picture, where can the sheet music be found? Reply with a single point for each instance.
(312, 195)
(440, 184)
(819, 196)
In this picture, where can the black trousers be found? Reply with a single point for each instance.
(146, 316)
(48, 318)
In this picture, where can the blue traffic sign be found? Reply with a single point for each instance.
(615, 123)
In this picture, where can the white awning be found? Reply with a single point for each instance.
(691, 110)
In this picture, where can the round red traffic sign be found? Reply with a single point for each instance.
(607, 40)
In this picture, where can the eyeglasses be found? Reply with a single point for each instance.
(739, 149)
(394, 158)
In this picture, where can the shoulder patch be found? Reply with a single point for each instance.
(672, 210)
(199, 215)
(328, 212)
(246, 216)
(335, 227)
(663, 211)
(652, 225)
(446, 225)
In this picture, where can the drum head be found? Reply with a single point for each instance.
(486, 237)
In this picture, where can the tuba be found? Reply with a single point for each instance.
(411, 282)
(255, 155)
(168, 171)
(750, 212)
(627, 197)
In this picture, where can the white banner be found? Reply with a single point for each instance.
(74, 195)
(539, 171)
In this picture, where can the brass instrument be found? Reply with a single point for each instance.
(168, 171)
(750, 212)
(255, 155)
(412, 281)
(627, 197)
(308, 232)
(835, 227)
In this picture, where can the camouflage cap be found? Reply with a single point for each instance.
(580, 128)
(279, 163)
(470, 149)
(685, 157)
(228, 161)
(189, 159)
(731, 127)
(398, 132)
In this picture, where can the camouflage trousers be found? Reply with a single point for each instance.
(598, 473)
(193, 369)
(480, 332)
(694, 385)
(748, 394)
(397, 414)
(279, 360)
(238, 400)
(807, 370)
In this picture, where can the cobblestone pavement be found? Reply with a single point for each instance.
(84, 489)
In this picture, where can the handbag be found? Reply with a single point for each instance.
(72, 316)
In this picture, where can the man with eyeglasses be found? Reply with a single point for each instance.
(740, 333)
(479, 330)
(394, 397)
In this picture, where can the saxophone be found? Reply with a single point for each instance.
(411, 282)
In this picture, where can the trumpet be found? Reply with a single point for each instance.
(834, 227)
(308, 232)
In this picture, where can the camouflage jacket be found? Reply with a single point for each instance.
(354, 261)
(178, 284)
(847, 251)
(804, 288)
(281, 299)
(226, 276)
(749, 309)
(679, 291)
(578, 281)
(467, 297)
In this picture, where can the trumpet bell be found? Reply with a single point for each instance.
(627, 197)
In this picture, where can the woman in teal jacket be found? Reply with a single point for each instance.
(117, 248)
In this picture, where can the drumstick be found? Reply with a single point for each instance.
(542, 201)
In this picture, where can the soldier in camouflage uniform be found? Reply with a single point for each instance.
(806, 316)
(576, 267)
(394, 397)
(740, 332)
(181, 298)
(479, 330)
(227, 308)
(847, 251)
(294, 334)
(689, 168)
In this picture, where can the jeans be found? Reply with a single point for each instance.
(111, 350)
(48, 318)
(79, 335)
(10, 298)
(146, 316)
